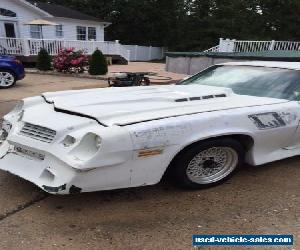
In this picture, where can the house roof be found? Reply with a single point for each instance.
(62, 11)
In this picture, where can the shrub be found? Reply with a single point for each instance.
(98, 64)
(43, 60)
(70, 61)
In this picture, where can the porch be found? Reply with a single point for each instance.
(30, 47)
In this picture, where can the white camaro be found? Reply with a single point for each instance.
(200, 130)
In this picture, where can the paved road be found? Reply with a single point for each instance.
(260, 200)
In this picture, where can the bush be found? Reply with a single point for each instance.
(43, 60)
(98, 64)
(70, 61)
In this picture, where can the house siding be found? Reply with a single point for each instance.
(70, 29)
(26, 14)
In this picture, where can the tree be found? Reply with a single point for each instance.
(193, 24)
(281, 19)
(44, 60)
(98, 64)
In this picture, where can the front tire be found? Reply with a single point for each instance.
(7, 79)
(208, 163)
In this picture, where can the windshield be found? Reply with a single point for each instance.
(249, 80)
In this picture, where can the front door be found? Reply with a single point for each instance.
(10, 30)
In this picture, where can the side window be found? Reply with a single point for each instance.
(35, 31)
(92, 33)
(81, 33)
(59, 31)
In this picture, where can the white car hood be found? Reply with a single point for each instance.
(123, 106)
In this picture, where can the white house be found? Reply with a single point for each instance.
(73, 29)
(73, 25)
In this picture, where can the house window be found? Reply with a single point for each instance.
(9, 13)
(92, 34)
(59, 31)
(36, 31)
(81, 33)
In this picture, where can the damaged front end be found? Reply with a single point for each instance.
(30, 163)
(62, 153)
(25, 151)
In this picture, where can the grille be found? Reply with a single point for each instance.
(38, 133)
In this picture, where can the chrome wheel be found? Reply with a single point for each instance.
(212, 165)
(7, 79)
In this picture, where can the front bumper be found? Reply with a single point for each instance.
(21, 76)
(55, 176)
(20, 72)
(50, 174)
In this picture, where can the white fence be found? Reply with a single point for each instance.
(31, 47)
(213, 49)
(229, 45)
(144, 53)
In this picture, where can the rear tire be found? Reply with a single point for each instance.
(7, 79)
(208, 163)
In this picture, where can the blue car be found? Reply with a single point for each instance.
(11, 70)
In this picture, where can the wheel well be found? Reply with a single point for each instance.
(245, 140)
(10, 70)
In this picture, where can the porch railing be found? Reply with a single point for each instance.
(31, 47)
(229, 45)
(12, 46)
(213, 49)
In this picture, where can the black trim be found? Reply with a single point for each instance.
(206, 97)
(78, 114)
(221, 95)
(181, 100)
(195, 98)
(75, 190)
(55, 189)
(73, 113)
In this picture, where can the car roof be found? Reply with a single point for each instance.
(269, 64)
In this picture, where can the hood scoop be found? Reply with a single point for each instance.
(199, 98)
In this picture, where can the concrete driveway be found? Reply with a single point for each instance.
(258, 200)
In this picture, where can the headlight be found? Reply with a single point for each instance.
(5, 128)
(87, 148)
